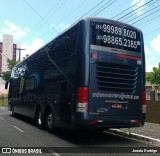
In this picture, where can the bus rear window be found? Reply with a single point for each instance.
(115, 36)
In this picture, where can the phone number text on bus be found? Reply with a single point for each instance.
(117, 36)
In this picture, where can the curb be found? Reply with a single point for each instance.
(135, 136)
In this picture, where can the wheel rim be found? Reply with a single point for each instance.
(50, 120)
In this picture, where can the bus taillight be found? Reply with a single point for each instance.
(82, 99)
(143, 101)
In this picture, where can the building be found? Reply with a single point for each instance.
(7, 51)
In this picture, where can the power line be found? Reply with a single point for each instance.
(80, 4)
(143, 14)
(103, 8)
(88, 12)
(37, 26)
(145, 17)
(73, 11)
(72, 24)
(44, 34)
(152, 31)
(41, 16)
(149, 20)
(135, 9)
(141, 10)
(91, 9)
(98, 10)
(126, 9)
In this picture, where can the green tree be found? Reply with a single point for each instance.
(10, 64)
(154, 76)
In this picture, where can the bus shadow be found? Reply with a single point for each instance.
(84, 138)
(91, 138)
(24, 119)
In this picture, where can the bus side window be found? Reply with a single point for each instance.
(63, 46)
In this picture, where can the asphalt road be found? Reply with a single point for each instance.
(22, 133)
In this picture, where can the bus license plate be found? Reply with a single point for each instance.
(117, 106)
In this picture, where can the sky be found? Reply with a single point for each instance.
(34, 23)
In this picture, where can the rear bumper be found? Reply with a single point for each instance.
(88, 121)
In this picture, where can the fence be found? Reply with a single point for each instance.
(153, 107)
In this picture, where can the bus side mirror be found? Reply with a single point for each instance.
(6, 84)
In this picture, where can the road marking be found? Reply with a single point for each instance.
(18, 129)
(2, 118)
(56, 154)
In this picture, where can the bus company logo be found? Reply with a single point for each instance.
(6, 150)
(36, 77)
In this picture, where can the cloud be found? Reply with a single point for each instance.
(155, 44)
(139, 3)
(30, 49)
(149, 67)
(15, 30)
(64, 26)
(61, 26)
(149, 64)
(147, 52)
(150, 59)
(153, 54)
(0, 37)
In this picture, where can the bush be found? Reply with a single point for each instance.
(2, 97)
(3, 102)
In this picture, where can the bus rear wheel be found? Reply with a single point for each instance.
(50, 122)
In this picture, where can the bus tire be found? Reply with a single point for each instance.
(39, 119)
(50, 122)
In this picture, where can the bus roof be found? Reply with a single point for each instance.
(85, 19)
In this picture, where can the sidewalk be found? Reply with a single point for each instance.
(149, 132)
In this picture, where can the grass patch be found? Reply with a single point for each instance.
(4, 104)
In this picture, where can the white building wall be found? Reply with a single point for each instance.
(7, 50)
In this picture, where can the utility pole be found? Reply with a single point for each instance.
(19, 60)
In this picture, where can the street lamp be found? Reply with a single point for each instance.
(19, 60)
